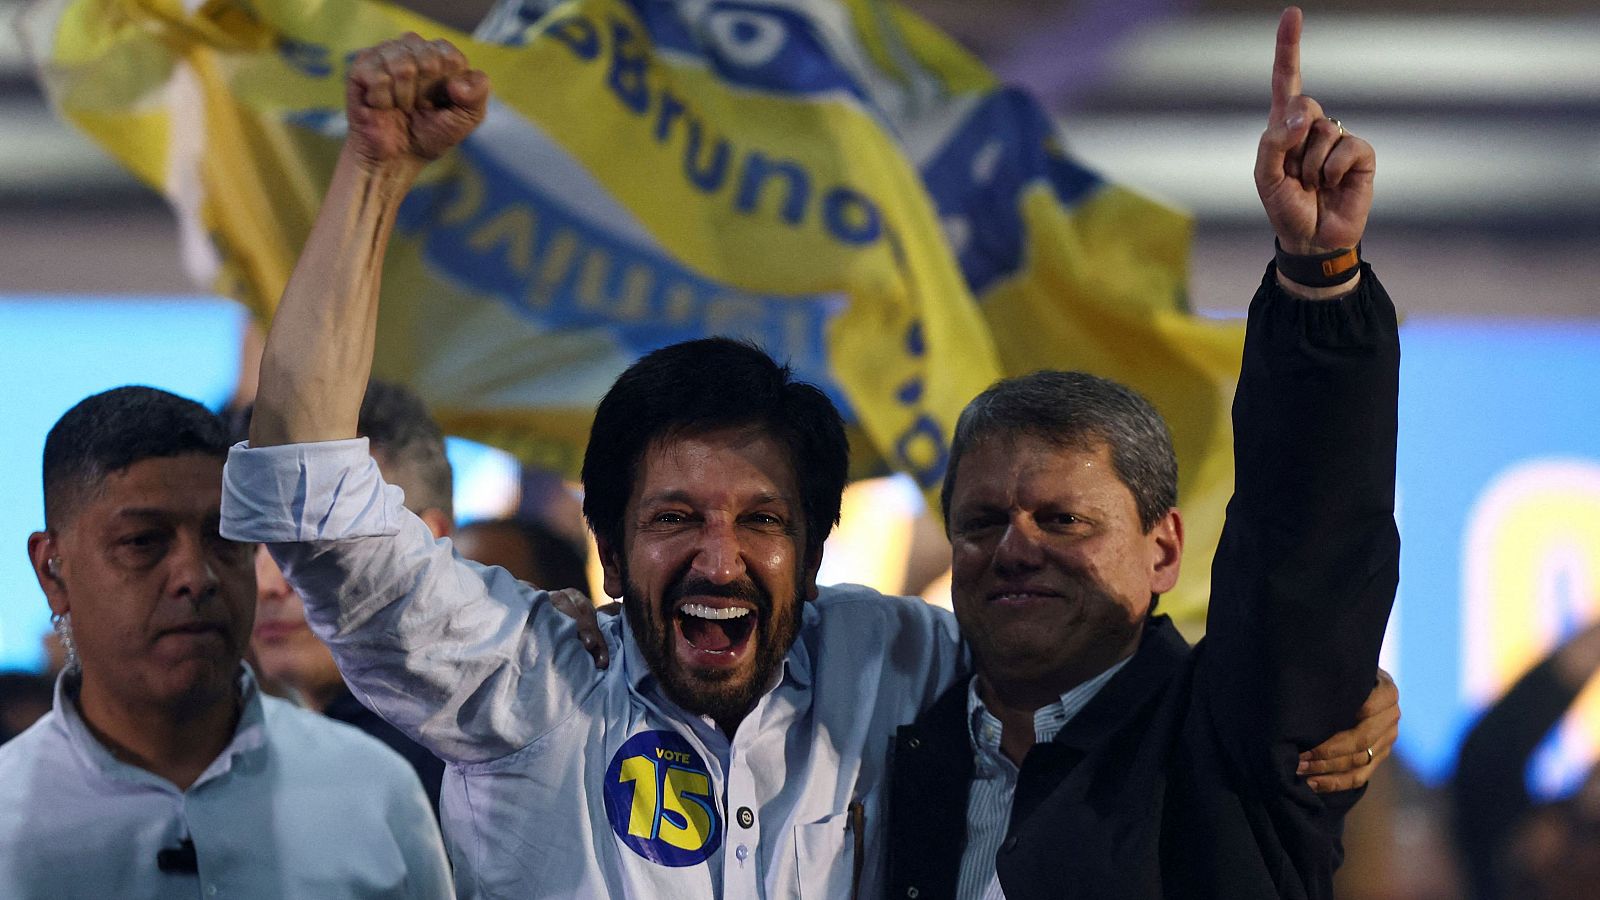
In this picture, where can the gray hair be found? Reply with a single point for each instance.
(409, 444)
(1076, 410)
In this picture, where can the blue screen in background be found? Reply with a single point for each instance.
(1499, 511)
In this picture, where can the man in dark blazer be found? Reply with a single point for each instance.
(1096, 754)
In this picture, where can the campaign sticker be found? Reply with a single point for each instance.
(659, 801)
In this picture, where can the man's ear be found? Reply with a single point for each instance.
(43, 554)
(611, 566)
(809, 583)
(1166, 552)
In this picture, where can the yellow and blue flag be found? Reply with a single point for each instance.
(833, 179)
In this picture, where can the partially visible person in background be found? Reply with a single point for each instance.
(162, 769)
(1397, 841)
(408, 446)
(525, 548)
(1513, 846)
(24, 699)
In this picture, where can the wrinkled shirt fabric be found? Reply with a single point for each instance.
(564, 780)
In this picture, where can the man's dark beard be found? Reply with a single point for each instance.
(711, 694)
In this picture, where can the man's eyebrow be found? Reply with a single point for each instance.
(974, 509)
(682, 496)
(210, 517)
(672, 496)
(141, 512)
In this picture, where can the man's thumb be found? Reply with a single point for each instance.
(469, 90)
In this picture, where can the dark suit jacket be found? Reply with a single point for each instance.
(1177, 779)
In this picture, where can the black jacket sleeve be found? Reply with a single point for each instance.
(1308, 563)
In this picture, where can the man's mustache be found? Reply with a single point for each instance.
(697, 586)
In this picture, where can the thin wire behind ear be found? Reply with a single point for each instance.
(62, 623)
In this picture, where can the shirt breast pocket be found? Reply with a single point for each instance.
(825, 858)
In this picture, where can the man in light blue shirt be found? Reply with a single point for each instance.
(163, 771)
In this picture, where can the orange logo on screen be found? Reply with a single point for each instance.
(1531, 564)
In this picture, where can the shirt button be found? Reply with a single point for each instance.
(913, 893)
(742, 852)
(211, 890)
(746, 817)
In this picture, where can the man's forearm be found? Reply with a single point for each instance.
(318, 354)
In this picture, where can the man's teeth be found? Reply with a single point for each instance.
(701, 611)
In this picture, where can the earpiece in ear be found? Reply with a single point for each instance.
(53, 566)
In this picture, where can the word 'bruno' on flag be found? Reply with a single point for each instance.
(836, 181)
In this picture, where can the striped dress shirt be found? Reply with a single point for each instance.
(994, 780)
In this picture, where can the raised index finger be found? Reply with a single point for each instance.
(1286, 62)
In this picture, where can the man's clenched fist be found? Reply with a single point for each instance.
(410, 100)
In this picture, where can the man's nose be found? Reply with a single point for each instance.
(1020, 548)
(271, 586)
(194, 570)
(719, 558)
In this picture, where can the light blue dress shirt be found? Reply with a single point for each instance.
(994, 780)
(296, 806)
(568, 781)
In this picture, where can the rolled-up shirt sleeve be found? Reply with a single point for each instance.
(465, 659)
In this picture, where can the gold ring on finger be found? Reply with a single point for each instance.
(1369, 749)
(1337, 124)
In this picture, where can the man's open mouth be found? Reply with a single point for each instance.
(715, 635)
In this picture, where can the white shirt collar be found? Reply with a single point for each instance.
(984, 730)
(248, 735)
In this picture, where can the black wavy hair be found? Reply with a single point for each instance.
(706, 385)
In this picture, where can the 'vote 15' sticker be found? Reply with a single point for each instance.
(659, 801)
